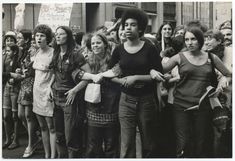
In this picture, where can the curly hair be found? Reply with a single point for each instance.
(140, 16)
(45, 30)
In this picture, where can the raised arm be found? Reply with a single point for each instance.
(171, 63)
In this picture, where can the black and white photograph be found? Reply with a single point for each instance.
(118, 79)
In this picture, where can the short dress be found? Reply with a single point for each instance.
(43, 75)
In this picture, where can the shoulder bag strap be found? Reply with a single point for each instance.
(214, 80)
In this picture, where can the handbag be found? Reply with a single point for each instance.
(220, 114)
(93, 93)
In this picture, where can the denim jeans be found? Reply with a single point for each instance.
(192, 132)
(102, 142)
(10, 96)
(222, 143)
(137, 111)
(69, 127)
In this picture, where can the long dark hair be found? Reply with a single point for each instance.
(27, 34)
(70, 46)
(159, 33)
(98, 63)
(197, 32)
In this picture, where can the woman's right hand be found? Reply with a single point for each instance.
(96, 78)
(49, 94)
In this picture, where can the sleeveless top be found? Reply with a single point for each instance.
(193, 82)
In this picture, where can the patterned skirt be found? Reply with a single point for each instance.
(26, 92)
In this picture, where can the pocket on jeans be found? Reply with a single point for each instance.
(130, 99)
(68, 109)
(149, 103)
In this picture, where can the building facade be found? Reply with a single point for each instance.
(87, 16)
(212, 14)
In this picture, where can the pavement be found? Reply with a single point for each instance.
(18, 152)
(39, 152)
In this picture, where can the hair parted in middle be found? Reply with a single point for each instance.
(96, 62)
(159, 32)
(140, 16)
(70, 42)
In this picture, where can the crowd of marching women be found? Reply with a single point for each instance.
(89, 95)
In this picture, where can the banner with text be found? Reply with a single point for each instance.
(55, 15)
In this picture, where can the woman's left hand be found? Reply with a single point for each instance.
(71, 94)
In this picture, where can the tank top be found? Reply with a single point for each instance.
(193, 82)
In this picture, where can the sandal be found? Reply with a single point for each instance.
(29, 151)
(13, 146)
